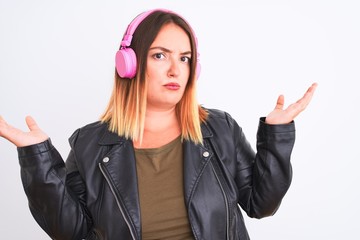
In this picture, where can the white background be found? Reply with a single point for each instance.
(57, 64)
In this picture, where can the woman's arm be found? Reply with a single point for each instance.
(56, 197)
(264, 178)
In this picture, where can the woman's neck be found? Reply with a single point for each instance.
(161, 127)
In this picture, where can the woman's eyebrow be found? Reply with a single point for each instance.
(168, 50)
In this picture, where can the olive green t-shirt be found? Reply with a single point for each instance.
(161, 192)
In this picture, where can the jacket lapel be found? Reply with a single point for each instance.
(196, 158)
(120, 166)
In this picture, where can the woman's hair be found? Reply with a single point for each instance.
(126, 109)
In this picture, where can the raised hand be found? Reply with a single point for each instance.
(21, 138)
(282, 116)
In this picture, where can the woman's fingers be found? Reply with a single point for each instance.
(9, 132)
(4, 128)
(303, 102)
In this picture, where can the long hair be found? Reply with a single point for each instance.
(125, 112)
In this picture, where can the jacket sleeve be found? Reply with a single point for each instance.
(56, 196)
(263, 177)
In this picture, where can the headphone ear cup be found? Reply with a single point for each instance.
(125, 61)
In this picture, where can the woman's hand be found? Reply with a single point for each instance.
(283, 116)
(20, 138)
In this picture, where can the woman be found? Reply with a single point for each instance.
(157, 165)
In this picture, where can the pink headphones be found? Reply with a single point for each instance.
(125, 58)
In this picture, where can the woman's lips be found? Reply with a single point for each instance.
(172, 86)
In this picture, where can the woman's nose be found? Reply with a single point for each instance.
(174, 68)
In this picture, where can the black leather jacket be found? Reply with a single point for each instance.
(94, 196)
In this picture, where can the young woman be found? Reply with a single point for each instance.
(157, 165)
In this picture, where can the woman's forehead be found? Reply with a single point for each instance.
(172, 37)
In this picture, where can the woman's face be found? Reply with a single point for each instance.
(168, 67)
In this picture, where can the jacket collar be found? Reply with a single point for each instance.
(206, 131)
(112, 138)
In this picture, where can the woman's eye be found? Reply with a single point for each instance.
(159, 56)
(185, 59)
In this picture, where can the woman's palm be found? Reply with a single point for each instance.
(19, 137)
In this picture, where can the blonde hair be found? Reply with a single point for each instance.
(125, 112)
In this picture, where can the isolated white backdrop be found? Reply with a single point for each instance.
(57, 64)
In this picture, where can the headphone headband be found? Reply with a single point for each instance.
(126, 41)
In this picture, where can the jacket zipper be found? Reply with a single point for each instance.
(226, 201)
(117, 200)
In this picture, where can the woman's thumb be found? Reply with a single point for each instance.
(31, 123)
